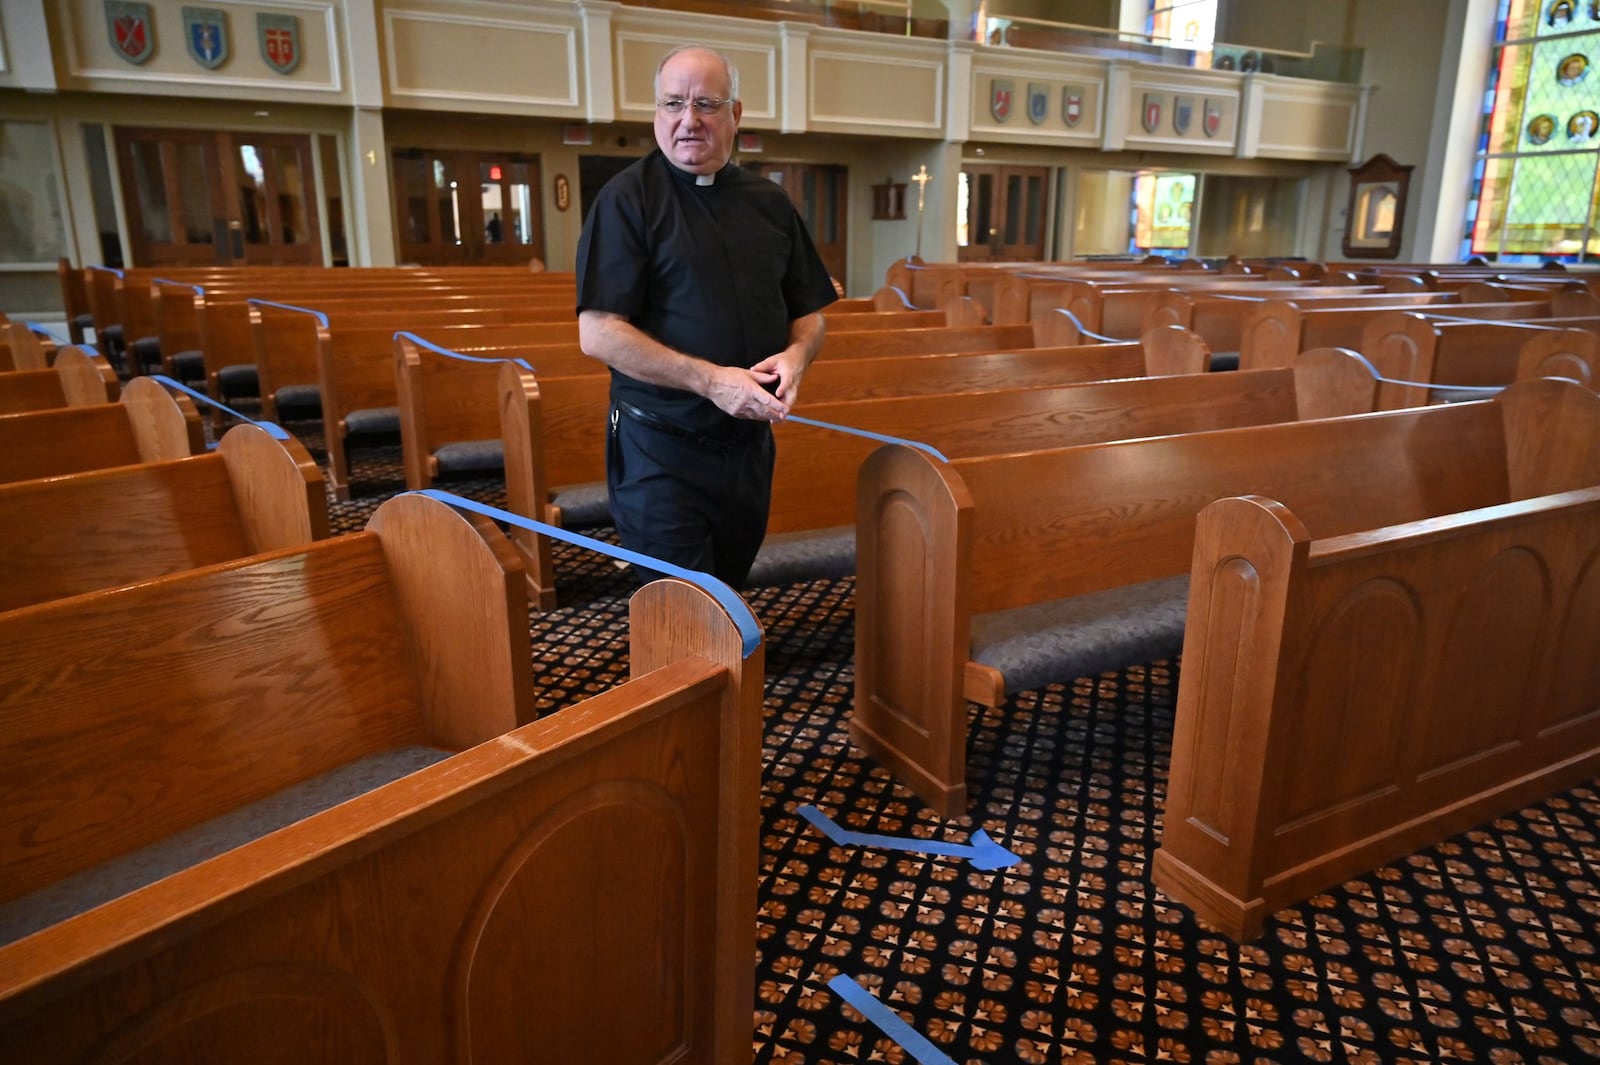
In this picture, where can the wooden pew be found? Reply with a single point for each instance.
(450, 878)
(62, 536)
(146, 424)
(812, 521)
(1220, 318)
(979, 577)
(179, 307)
(74, 299)
(30, 348)
(1276, 330)
(78, 378)
(554, 432)
(1349, 698)
(1448, 360)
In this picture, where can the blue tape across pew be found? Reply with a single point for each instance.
(274, 430)
(737, 608)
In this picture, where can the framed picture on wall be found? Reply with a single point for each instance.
(1377, 208)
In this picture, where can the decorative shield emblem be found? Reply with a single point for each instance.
(1211, 117)
(1000, 99)
(1038, 102)
(280, 41)
(1152, 111)
(1182, 113)
(133, 34)
(1072, 105)
(205, 31)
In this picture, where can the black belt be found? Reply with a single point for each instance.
(726, 442)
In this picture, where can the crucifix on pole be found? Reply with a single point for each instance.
(921, 177)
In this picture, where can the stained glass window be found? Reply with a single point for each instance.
(1534, 185)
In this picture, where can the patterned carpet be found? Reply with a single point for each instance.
(1482, 948)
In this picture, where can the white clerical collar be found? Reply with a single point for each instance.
(705, 179)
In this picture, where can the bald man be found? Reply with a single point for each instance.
(700, 288)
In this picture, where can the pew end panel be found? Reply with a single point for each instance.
(671, 621)
(527, 487)
(1476, 692)
(1058, 327)
(891, 298)
(1270, 334)
(1333, 382)
(31, 349)
(474, 678)
(913, 546)
(465, 910)
(964, 310)
(278, 487)
(86, 378)
(1172, 349)
(165, 425)
(1552, 435)
(1570, 353)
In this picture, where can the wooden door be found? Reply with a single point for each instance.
(1003, 213)
(456, 207)
(199, 197)
(273, 199)
(819, 194)
(172, 195)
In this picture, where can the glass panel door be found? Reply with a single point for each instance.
(455, 207)
(818, 194)
(195, 197)
(1003, 213)
(172, 195)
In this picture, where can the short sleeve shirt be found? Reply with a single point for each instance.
(717, 271)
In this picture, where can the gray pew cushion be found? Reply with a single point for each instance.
(371, 421)
(240, 380)
(1224, 360)
(129, 872)
(583, 504)
(300, 398)
(1083, 635)
(471, 456)
(804, 556)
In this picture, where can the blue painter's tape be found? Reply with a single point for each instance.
(737, 608)
(888, 1021)
(853, 431)
(321, 318)
(274, 430)
(447, 353)
(982, 851)
(196, 289)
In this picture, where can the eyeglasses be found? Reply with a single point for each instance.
(703, 105)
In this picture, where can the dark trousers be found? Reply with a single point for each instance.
(700, 504)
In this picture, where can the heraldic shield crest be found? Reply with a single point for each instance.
(1152, 111)
(279, 36)
(133, 34)
(1038, 102)
(1072, 105)
(1182, 114)
(205, 33)
(1000, 99)
(1211, 117)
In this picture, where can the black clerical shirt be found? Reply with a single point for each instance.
(716, 270)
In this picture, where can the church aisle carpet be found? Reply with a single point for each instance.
(1480, 949)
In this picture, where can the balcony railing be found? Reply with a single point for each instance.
(1325, 62)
